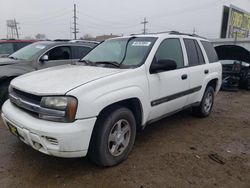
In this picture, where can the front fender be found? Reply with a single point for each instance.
(95, 104)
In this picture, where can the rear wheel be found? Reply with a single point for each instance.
(113, 137)
(206, 105)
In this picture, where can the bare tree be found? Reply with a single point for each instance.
(88, 37)
(41, 36)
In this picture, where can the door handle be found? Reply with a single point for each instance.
(184, 76)
(206, 71)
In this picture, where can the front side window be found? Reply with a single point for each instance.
(127, 52)
(59, 53)
(170, 49)
(6, 48)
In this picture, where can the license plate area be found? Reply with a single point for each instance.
(13, 129)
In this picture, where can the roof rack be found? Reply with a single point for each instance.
(174, 33)
(86, 41)
(61, 40)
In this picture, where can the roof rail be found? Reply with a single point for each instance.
(86, 41)
(61, 40)
(173, 33)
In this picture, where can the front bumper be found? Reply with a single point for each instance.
(52, 138)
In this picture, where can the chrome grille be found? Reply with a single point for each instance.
(31, 104)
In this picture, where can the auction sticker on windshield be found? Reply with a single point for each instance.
(141, 43)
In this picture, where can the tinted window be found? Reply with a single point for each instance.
(79, 52)
(170, 49)
(20, 45)
(6, 48)
(199, 52)
(192, 54)
(211, 53)
(59, 53)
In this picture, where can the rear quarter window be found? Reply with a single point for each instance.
(210, 51)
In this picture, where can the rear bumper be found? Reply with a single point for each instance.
(52, 138)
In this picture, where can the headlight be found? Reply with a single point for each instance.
(60, 108)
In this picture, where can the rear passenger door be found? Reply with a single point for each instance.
(197, 69)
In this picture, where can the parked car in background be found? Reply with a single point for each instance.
(37, 56)
(8, 47)
(95, 107)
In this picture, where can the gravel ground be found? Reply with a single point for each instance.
(173, 152)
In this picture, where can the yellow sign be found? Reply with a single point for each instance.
(239, 23)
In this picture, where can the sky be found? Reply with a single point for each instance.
(96, 17)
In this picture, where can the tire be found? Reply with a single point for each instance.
(113, 137)
(206, 105)
(4, 93)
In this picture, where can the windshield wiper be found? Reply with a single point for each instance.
(114, 63)
(88, 62)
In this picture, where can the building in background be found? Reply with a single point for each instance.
(235, 23)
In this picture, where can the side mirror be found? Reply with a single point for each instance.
(44, 58)
(163, 65)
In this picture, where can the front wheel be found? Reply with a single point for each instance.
(206, 105)
(4, 92)
(113, 137)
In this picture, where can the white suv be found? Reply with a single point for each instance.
(95, 107)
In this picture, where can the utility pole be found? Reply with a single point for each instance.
(12, 29)
(145, 22)
(17, 34)
(194, 31)
(75, 29)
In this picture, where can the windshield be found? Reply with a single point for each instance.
(28, 52)
(6, 48)
(128, 51)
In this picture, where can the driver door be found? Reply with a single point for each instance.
(59, 55)
(168, 89)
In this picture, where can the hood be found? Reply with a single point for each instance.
(233, 52)
(61, 79)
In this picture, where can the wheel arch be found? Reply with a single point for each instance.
(133, 104)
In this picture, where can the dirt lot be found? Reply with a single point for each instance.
(173, 152)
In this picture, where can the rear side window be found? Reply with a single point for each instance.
(170, 49)
(199, 52)
(211, 53)
(192, 54)
(79, 52)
